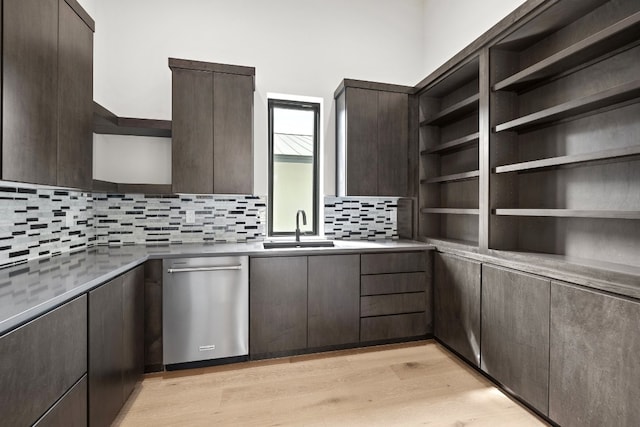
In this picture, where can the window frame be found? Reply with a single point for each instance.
(302, 106)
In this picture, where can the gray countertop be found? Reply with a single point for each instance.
(31, 289)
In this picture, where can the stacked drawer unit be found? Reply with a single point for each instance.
(395, 296)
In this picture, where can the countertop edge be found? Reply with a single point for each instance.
(20, 319)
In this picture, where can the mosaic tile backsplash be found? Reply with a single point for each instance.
(39, 222)
(127, 219)
(361, 218)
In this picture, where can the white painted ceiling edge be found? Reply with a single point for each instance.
(301, 48)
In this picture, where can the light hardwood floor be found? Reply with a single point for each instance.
(397, 385)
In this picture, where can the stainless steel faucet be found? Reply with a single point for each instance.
(304, 222)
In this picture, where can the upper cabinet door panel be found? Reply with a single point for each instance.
(29, 90)
(192, 128)
(393, 139)
(362, 141)
(233, 133)
(75, 88)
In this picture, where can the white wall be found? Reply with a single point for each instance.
(298, 47)
(451, 25)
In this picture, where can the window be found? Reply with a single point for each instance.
(293, 165)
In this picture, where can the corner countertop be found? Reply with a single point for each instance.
(31, 289)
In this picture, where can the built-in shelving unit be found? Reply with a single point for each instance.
(564, 155)
(449, 167)
(596, 45)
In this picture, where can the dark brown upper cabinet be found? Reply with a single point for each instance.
(212, 127)
(47, 92)
(372, 139)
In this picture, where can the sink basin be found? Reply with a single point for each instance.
(301, 244)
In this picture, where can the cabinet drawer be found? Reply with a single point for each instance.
(70, 411)
(394, 262)
(389, 327)
(379, 305)
(41, 360)
(393, 283)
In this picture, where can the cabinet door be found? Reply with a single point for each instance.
(457, 305)
(70, 410)
(105, 353)
(153, 315)
(277, 304)
(515, 333)
(75, 100)
(334, 298)
(393, 144)
(40, 361)
(594, 367)
(362, 142)
(232, 134)
(133, 328)
(192, 131)
(29, 95)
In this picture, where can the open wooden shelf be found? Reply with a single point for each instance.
(456, 144)
(105, 122)
(471, 245)
(452, 178)
(453, 112)
(450, 211)
(598, 44)
(572, 109)
(569, 213)
(605, 156)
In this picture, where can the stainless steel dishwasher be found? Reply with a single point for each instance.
(205, 304)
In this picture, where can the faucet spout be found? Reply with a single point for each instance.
(304, 222)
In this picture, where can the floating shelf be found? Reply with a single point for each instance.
(605, 156)
(456, 144)
(453, 112)
(576, 107)
(569, 213)
(105, 122)
(464, 176)
(598, 44)
(450, 211)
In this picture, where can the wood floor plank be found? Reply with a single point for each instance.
(406, 384)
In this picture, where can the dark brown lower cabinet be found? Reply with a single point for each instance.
(116, 351)
(393, 327)
(133, 328)
(457, 286)
(277, 305)
(594, 365)
(70, 410)
(515, 333)
(40, 361)
(334, 298)
(153, 315)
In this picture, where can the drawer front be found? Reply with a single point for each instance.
(378, 305)
(393, 283)
(70, 411)
(390, 327)
(394, 262)
(41, 360)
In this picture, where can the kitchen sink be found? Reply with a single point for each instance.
(301, 244)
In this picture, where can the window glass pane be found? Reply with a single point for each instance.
(293, 167)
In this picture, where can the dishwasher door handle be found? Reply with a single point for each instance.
(197, 269)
